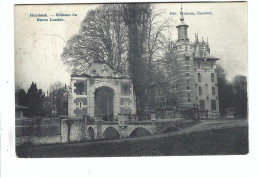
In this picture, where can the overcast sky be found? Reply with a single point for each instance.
(38, 45)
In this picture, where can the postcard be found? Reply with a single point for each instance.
(136, 79)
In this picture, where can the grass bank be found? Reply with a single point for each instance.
(225, 141)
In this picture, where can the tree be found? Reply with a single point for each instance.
(35, 98)
(240, 95)
(225, 91)
(127, 37)
(136, 19)
(56, 103)
(20, 97)
(156, 41)
(102, 37)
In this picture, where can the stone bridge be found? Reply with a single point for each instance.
(111, 130)
(78, 129)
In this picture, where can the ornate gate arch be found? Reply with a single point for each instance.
(116, 99)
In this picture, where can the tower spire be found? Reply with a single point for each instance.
(182, 28)
(182, 18)
(196, 37)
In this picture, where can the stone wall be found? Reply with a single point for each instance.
(70, 130)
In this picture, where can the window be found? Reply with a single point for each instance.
(212, 77)
(188, 87)
(80, 105)
(188, 97)
(202, 105)
(126, 88)
(213, 105)
(198, 62)
(125, 104)
(200, 90)
(199, 77)
(211, 65)
(187, 74)
(172, 87)
(213, 90)
(80, 87)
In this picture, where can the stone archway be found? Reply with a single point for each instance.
(90, 133)
(104, 101)
(116, 98)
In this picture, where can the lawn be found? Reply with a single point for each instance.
(225, 141)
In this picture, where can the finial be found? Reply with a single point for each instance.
(182, 18)
(196, 36)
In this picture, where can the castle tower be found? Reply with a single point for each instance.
(184, 68)
(205, 77)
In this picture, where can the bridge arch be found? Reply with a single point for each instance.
(140, 131)
(90, 133)
(111, 133)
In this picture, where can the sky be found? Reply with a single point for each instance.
(39, 44)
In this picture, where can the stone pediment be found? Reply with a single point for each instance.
(101, 70)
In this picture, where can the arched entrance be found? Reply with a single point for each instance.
(90, 133)
(104, 102)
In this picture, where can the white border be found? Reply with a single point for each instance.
(152, 167)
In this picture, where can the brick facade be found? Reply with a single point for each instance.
(194, 75)
(83, 89)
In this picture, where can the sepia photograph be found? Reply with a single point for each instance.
(132, 79)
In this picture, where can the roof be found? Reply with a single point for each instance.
(86, 75)
(100, 70)
(202, 51)
(212, 57)
(182, 23)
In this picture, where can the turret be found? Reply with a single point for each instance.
(182, 29)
